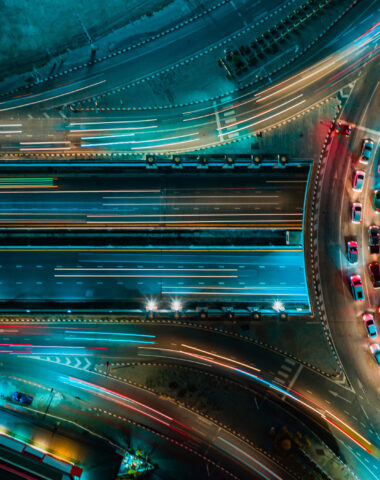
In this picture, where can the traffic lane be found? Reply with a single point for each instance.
(349, 58)
(146, 408)
(235, 369)
(259, 275)
(344, 318)
(197, 346)
(262, 198)
(291, 96)
(155, 55)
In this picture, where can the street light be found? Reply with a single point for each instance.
(278, 306)
(176, 306)
(151, 306)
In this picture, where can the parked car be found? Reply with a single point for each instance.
(375, 349)
(358, 181)
(338, 127)
(357, 288)
(373, 239)
(367, 149)
(352, 251)
(370, 325)
(22, 398)
(374, 273)
(376, 201)
(357, 213)
(347, 130)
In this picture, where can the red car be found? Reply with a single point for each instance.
(374, 273)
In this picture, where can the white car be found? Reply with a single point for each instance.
(357, 213)
(367, 149)
(358, 181)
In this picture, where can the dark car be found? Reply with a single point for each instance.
(373, 239)
(376, 201)
(22, 398)
(357, 288)
(374, 273)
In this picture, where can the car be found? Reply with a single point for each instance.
(375, 349)
(357, 288)
(370, 325)
(352, 251)
(373, 239)
(374, 273)
(367, 149)
(358, 181)
(22, 398)
(356, 213)
(376, 201)
(338, 127)
(347, 130)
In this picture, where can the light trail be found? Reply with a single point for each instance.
(231, 293)
(152, 215)
(79, 331)
(294, 83)
(11, 125)
(139, 141)
(45, 143)
(186, 204)
(49, 98)
(110, 129)
(143, 276)
(94, 191)
(197, 196)
(102, 137)
(166, 144)
(73, 124)
(362, 443)
(120, 396)
(251, 458)
(122, 340)
(7, 132)
(220, 356)
(260, 114)
(155, 269)
(267, 118)
(36, 148)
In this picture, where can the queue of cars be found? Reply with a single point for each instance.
(356, 283)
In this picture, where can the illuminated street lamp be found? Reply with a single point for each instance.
(278, 306)
(176, 306)
(151, 306)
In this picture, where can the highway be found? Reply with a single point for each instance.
(122, 278)
(260, 199)
(80, 357)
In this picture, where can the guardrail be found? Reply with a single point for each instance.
(205, 161)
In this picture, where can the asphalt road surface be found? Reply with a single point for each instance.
(336, 229)
(121, 277)
(185, 129)
(62, 346)
(265, 198)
